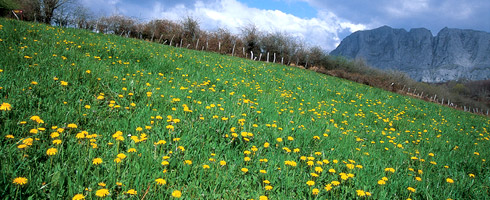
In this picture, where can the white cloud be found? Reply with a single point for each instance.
(322, 30)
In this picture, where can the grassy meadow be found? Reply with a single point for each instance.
(87, 115)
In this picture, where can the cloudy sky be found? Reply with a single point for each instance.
(317, 22)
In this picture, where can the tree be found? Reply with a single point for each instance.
(251, 38)
(6, 6)
(191, 29)
(48, 7)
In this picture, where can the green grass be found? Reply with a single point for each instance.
(142, 89)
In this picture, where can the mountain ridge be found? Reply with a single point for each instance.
(451, 54)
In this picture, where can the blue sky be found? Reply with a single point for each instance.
(317, 22)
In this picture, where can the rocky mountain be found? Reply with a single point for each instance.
(450, 55)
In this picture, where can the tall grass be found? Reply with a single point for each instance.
(99, 116)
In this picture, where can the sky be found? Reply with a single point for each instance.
(322, 23)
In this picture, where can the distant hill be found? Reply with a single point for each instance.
(450, 55)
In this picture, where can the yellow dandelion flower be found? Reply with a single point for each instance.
(97, 161)
(335, 183)
(78, 197)
(101, 184)
(268, 187)
(5, 106)
(132, 192)
(102, 192)
(263, 198)
(222, 163)
(310, 183)
(72, 126)
(328, 187)
(20, 181)
(51, 151)
(449, 180)
(411, 189)
(121, 156)
(176, 194)
(205, 166)
(245, 170)
(360, 193)
(160, 181)
(315, 191)
(381, 182)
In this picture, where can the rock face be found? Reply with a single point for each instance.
(450, 55)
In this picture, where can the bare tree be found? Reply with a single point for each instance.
(191, 29)
(48, 7)
(251, 38)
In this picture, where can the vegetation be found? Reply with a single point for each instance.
(86, 115)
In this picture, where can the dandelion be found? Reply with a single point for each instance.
(97, 161)
(411, 189)
(222, 163)
(78, 197)
(132, 192)
(51, 151)
(381, 182)
(268, 187)
(315, 191)
(63, 83)
(176, 194)
(449, 180)
(328, 187)
(5, 106)
(331, 170)
(20, 181)
(390, 170)
(310, 183)
(471, 175)
(244, 170)
(335, 183)
(205, 166)
(360, 193)
(160, 181)
(72, 126)
(263, 198)
(102, 192)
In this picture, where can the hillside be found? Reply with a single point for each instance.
(92, 115)
(452, 54)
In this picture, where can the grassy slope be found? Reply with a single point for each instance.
(368, 127)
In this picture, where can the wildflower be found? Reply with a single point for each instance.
(310, 183)
(268, 187)
(381, 182)
(176, 194)
(263, 198)
(161, 181)
(449, 180)
(471, 175)
(72, 126)
(102, 192)
(331, 170)
(121, 156)
(245, 170)
(9, 136)
(63, 83)
(263, 171)
(266, 145)
(335, 183)
(132, 192)
(165, 163)
(418, 178)
(360, 193)
(5, 106)
(131, 150)
(189, 162)
(20, 181)
(390, 170)
(51, 151)
(315, 191)
(101, 184)
(222, 163)
(78, 197)
(97, 161)
(411, 189)
(205, 166)
(328, 187)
